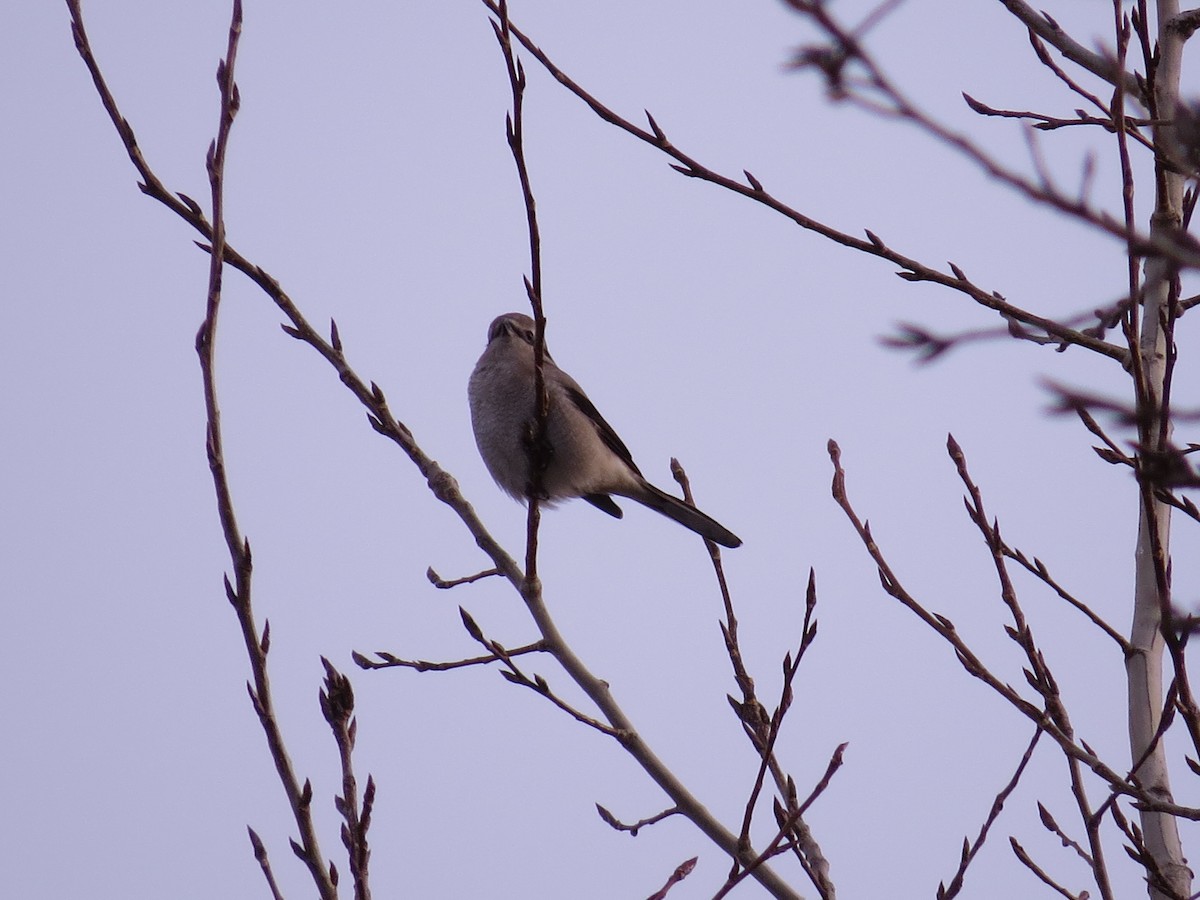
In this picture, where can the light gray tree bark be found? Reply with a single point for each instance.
(1144, 665)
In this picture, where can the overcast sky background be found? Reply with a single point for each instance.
(368, 172)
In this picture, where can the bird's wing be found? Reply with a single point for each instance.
(576, 395)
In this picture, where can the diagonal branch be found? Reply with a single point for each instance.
(971, 848)
(974, 666)
(1052, 33)
(752, 189)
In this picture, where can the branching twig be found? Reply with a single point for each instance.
(513, 674)
(752, 189)
(1051, 825)
(874, 91)
(441, 484)
(975, 667)
(1043, 122)
(1044, 27)
(971, 848)
(761, 728)
(788, 820)
(1038, 674)
(1113, 453)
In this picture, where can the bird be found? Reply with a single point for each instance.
(582, 455)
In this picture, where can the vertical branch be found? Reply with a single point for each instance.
(239, 593)
(531, 592)
(337, 705)
(1148, 345)
(539, 455)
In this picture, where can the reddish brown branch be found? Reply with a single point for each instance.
(264, 863)
(389, 661)
(1037, 870)
(299, 797)
(337, 705)
(539, 455)
(637, 826)
(682, 871)
(971, 848)
(752, 189)
(760, 727)
(974, 666)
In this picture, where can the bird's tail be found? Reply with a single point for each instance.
(687, 516)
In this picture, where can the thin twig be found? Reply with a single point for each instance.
(682, 871)
(513, 673)
(762, 728)
(389, 661)
(539, 449)
(1037, 870)
(441, 483)
(971, 848)
(975, 666)
(337, 705)
(264, 863)
(239, 594)
(787, 825)
(637, 826)
(875, 92)
(1051, 825)
(752, 189)
(437, 581)
(1037, 568)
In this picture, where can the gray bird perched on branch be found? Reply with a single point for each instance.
(582, 455)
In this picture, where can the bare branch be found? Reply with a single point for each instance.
(337, 705)
(239, 546)
(912, 270)
(1049, 823)
(975, 667)
(1047, 29)
(1037, 870)
(761, 728)
(388, 661)
(873, 91)
(437, 582)
(637, 826)
(787, 824)
(682, 871)
(260, 854)
(971, 850)
(1038, 569)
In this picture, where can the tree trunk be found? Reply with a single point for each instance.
(1144, 666)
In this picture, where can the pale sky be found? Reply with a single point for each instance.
(368, 172)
